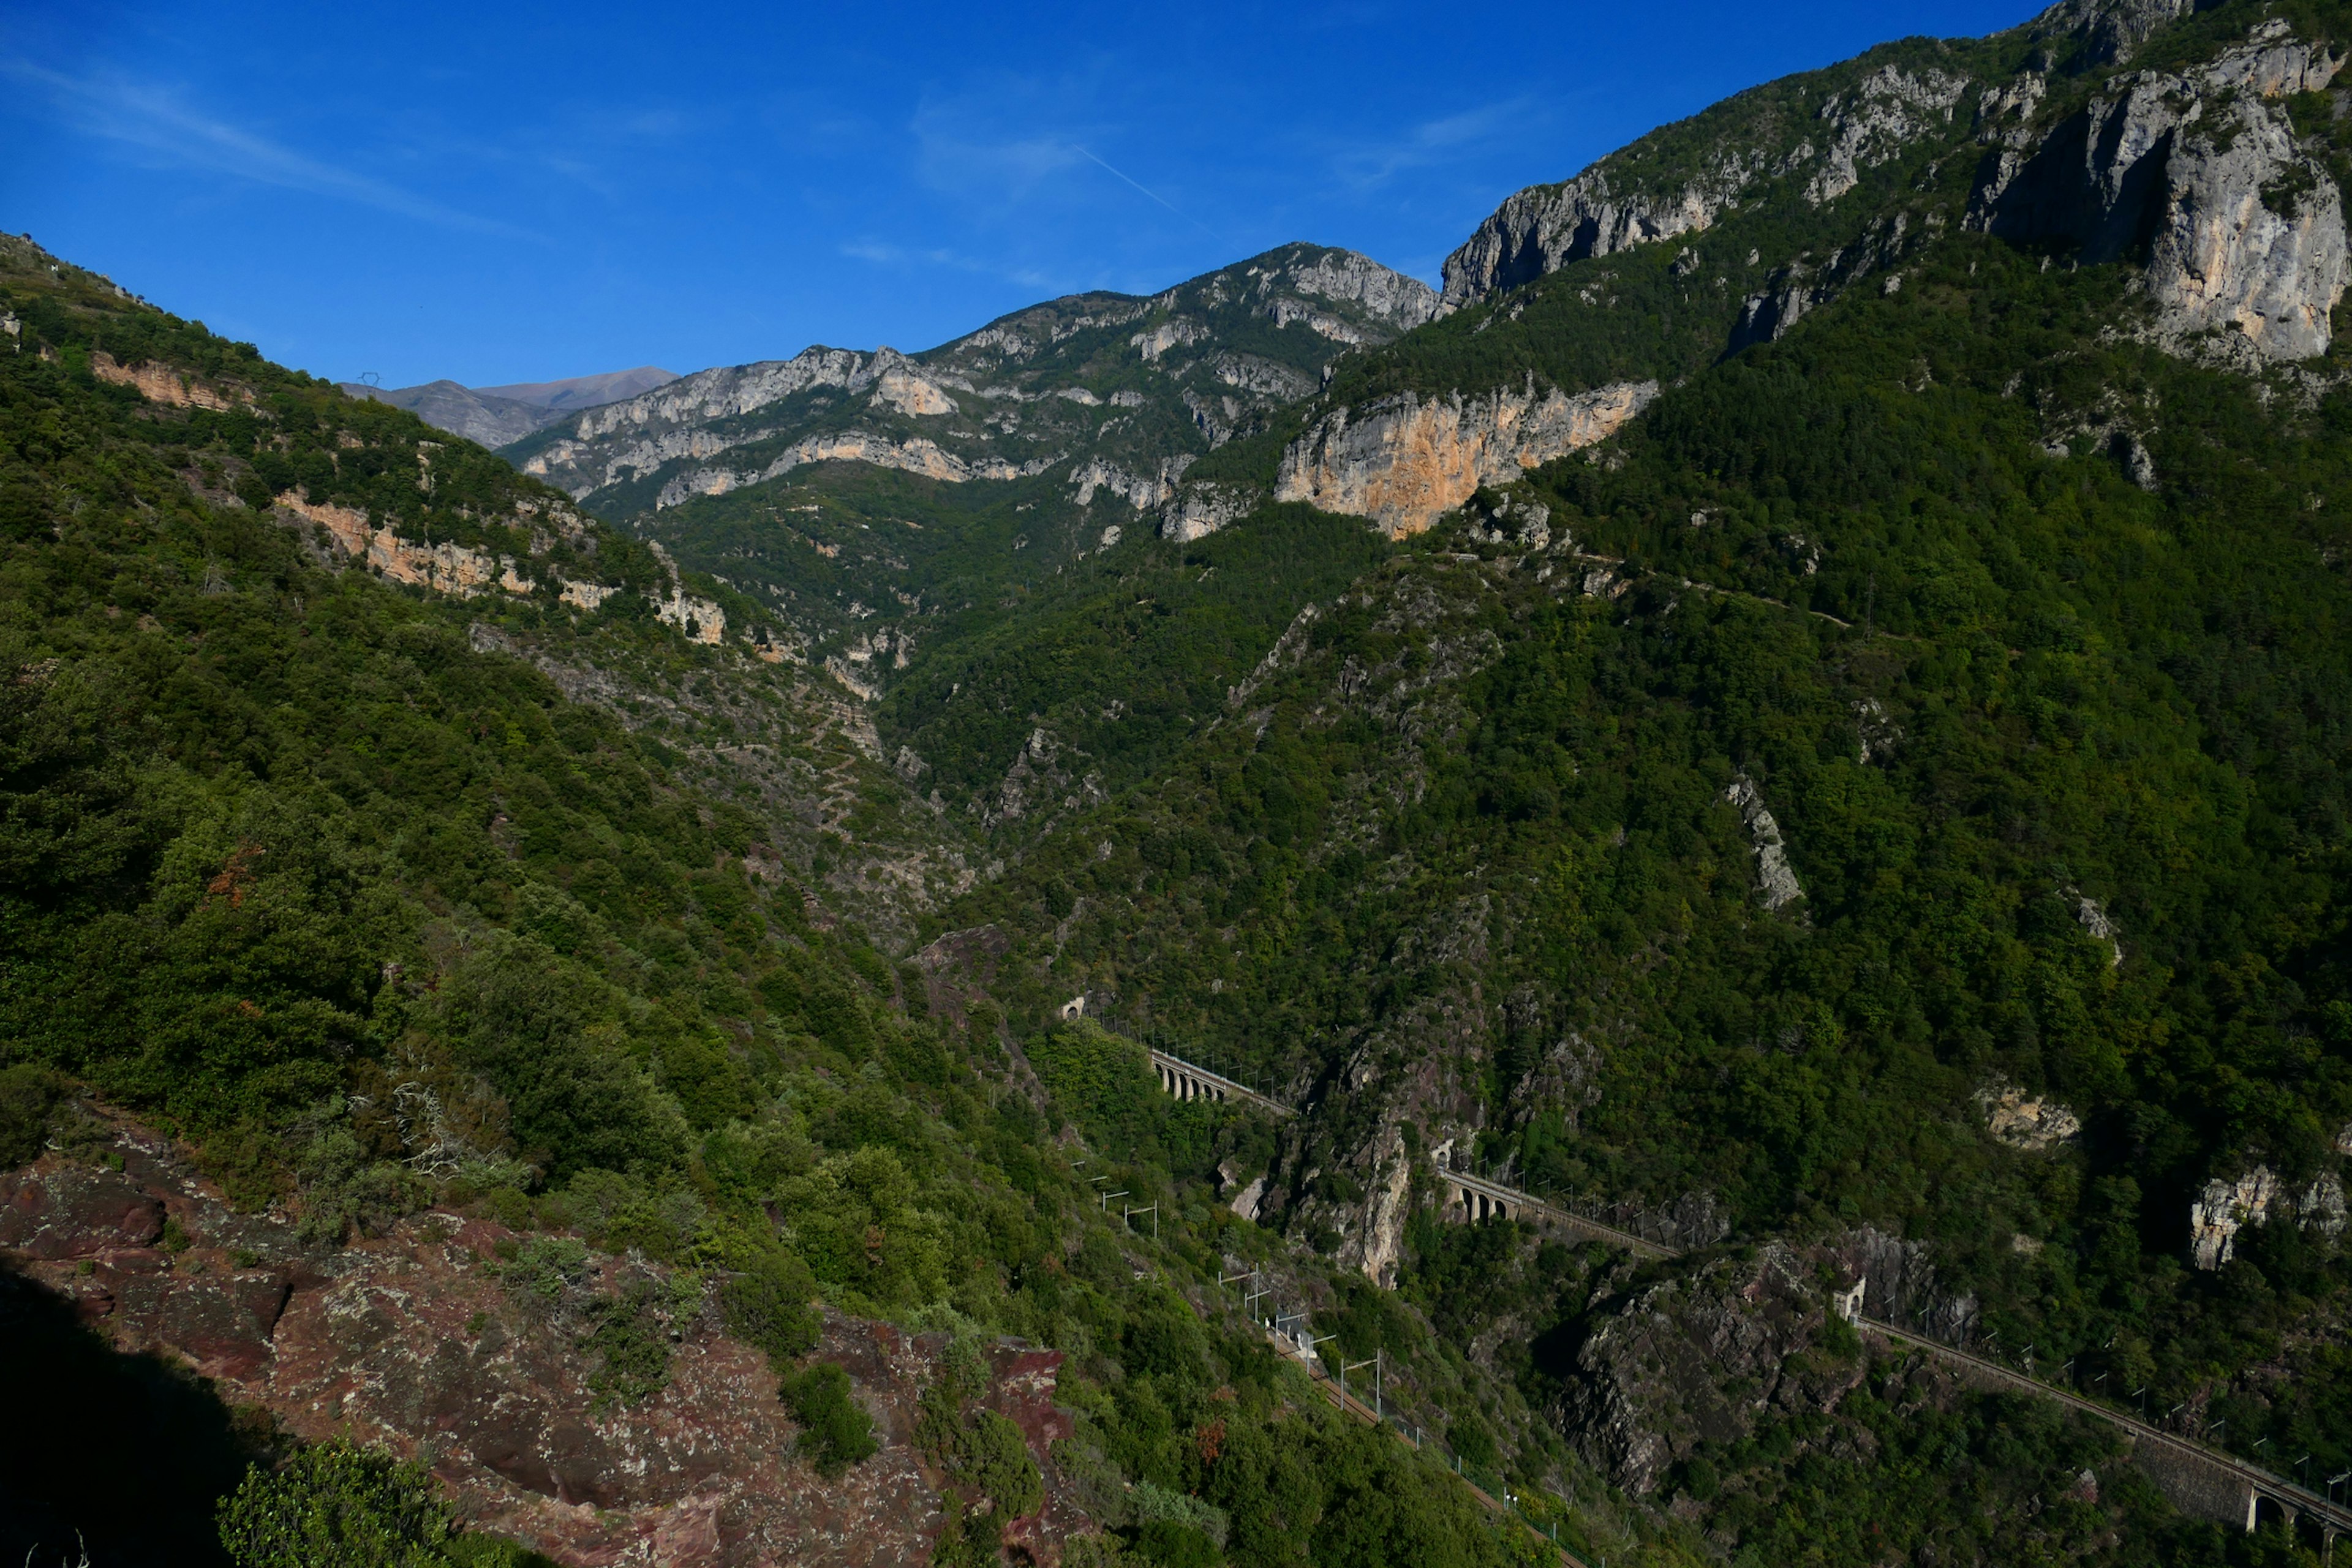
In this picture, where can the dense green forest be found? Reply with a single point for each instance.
(277, 833)
(1977, 683)
(1887, 801)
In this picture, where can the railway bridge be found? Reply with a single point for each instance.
(2200, 1479)
(1189, 1080)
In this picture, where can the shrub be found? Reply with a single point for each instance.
(993, 1456)
(769, 1309)
(336, 1505)
(28, 1094)
(835, 1431)
(1173, 1545)
(546, 1264)
(631, 1345)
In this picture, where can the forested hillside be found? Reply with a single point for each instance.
(1885, 798)
(309, 877)
(1802, 711)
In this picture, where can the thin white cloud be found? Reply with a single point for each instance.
(1432, 142)
(152, 119)
(1006, 171)
(883, 254)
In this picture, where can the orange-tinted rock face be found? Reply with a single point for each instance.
(162, 383)
(415, 1341)
(445, 568)
(1403, 461)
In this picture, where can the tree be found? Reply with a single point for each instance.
(337, 1506)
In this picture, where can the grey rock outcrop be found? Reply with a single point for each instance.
(2223, 258)
(1544, 227)
(1697, 1361)
(2093, 917)
(1202, 508)
(2223, 1209)
(1875, 121)
(2321, 1206)
(2021, 1121)
(2112, 29)
(2244, 231)
(2226, 1207)
(1776, 879)
(1137, 490)
(1405, 459)
(1403, 301)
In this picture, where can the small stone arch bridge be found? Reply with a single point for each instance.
(1187, 1080)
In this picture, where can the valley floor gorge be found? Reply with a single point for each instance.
(1684, 901)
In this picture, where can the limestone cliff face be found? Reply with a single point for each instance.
(453, 569)
(2197, 171)
(1543, 228)
(1343, 275)
(2244, 232)
(1871, 123)
(620, 439)
(1404, 460)
(1201, 510)
(2224, 1208)
(464, 571)
(161, 382)
(1137, 490)
(2223, 258)
(915, 456)
(1617, 203)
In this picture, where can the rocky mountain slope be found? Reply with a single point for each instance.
(876, 505)
(1827, 531)
(446, 1101)
(1575, 304)
(577, 392)
(1803, 708)
(1114, 394)
(2192, 159)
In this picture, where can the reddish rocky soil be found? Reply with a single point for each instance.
(415, 1341)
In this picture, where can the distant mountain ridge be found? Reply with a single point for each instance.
(583, 391)
(1127, 390)
(500, 415)
(1806, 711)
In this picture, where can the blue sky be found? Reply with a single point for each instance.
(499, 194)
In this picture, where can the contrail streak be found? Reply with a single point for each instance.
(1156, 197)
